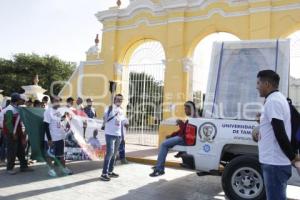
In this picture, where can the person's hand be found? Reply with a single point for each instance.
(50, 143)
(179, 121)
(297, 159)
(255, 134)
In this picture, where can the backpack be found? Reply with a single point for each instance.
(295, 125)
(110, 108)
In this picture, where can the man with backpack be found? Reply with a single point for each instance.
(113, 119)
(274, 143)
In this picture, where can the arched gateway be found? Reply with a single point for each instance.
(178, 26)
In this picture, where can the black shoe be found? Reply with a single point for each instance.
(156, 173)
(104, 177)
(113, 175)
(179, 154)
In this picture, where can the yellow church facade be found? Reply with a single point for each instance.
(178, 25)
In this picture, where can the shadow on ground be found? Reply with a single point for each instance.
(179, 189)
(41, 170)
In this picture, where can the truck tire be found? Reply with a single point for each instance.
(242, 179)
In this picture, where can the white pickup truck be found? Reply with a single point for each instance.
(226, 148)
(223, 146)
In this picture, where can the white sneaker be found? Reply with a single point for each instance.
(12, 172)
(67, 171)
(52, 173)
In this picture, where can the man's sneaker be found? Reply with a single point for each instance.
(67, 171)
(113, 175)
(11, 172)
(124, 161)
(26, 169)
(156, 173)
(2, 163)
(104, 177)
(179, 154)
(52, 173)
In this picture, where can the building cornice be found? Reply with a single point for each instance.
(167, 6)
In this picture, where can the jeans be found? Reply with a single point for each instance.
(275, 180)
(15, 148)
(122, 148)
(112, 146)
(164, 148)
(3, 148)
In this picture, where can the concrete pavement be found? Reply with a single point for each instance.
(134, 183)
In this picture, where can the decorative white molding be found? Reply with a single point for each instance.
(160, 10)
(187, 64)
(93, 50)
(79, 70)
(92, 62)
(118, 68)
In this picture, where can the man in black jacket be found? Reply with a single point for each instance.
(275, 151)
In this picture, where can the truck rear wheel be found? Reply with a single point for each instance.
(242, 179)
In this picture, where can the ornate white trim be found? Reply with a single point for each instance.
(187, 64)
(92, 62)
(159, 11)
(118, 68)
(79, 70)
(163, 7)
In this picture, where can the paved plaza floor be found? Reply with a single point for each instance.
(133, 184)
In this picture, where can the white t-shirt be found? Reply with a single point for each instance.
(94, 142)
(53, 118)
(113, 127)
(276, 106)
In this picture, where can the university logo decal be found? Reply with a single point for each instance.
(207, 132)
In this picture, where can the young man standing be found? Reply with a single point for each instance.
(275, 151)
(54, 139)
(16, 138)
(176, 138)
(113, 118)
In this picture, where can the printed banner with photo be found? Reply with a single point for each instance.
(80, 143)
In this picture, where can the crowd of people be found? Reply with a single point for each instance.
(14, 141)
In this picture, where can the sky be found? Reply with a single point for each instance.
(65, 28)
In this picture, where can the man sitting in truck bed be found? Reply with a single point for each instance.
(177, 138)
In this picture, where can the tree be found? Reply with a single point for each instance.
(22, 68)
(145, 99)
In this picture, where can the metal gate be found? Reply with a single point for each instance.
(145, 86)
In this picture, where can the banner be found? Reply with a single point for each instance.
(79, 144)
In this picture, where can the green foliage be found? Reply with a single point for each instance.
(22, 69)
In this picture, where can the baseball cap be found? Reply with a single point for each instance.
(15, 97)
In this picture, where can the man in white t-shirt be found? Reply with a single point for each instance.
(113, 118)
(54, 138)
(275, 150)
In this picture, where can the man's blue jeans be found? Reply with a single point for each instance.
(164, 148)
(112, 146)
(275, 180)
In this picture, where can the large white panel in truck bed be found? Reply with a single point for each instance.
(231, 90)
